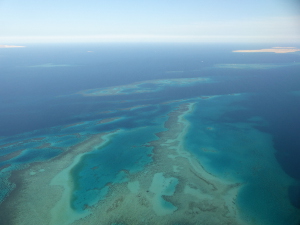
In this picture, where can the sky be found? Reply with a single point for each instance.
(34, 21)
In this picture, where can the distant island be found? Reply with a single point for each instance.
(11, 46)
(274, 49)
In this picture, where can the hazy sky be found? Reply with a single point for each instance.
(149, 20)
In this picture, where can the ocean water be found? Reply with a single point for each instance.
(106, 128)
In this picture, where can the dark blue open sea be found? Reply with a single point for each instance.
(244, 127)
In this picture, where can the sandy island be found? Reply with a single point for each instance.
(11, 46)
(274, 49)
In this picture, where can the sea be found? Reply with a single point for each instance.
(95, 111)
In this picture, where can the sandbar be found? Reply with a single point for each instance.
(108, 120)
(274, 49)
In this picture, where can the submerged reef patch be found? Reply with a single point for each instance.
(185, 169)
(173, 188)
(142, 87)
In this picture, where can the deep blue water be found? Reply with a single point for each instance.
(34, 99)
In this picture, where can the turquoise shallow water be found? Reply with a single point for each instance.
(240, 151)
(246, 133)
(124, 153)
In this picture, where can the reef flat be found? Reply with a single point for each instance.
(186, 169)
(141, 87)
(46, 185)
(200, 172)
(173, 189)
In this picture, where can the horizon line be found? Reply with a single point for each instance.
(9, 40)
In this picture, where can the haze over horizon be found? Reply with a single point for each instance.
(149, 21)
